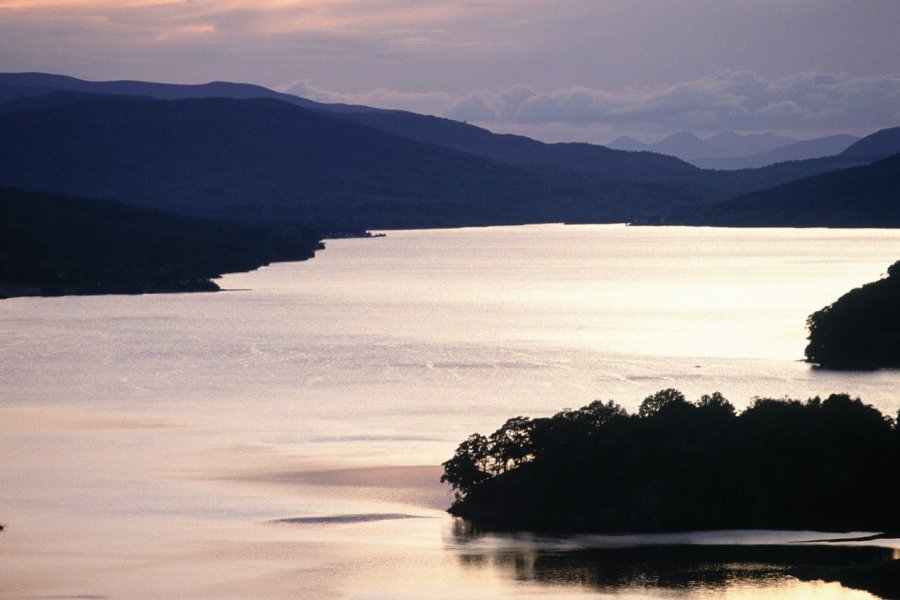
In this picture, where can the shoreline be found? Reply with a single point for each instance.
(9, 291)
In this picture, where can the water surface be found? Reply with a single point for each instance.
(280, 440)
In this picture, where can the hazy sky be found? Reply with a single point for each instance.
(559, 70)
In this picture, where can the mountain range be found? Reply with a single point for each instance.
(802, 150)
(732, 151)
(245, 153)
(689, 147)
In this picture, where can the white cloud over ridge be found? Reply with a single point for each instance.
(817, 103)
(424, 102)
(726, 100)
(592, 69)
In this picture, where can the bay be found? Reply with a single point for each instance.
(281, 439)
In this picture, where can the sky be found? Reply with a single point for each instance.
(561, 70)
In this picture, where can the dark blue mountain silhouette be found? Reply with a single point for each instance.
(53, 244)
(867, 196)
(251, 154)
(267, 161)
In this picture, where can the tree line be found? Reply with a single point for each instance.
(827, 464)
(861, 329)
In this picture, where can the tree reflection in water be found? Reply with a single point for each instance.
(626, 563)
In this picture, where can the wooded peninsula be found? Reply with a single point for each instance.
(53, 245)
(861, 330)
(820, 464)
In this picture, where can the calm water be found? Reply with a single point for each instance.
(280, 440)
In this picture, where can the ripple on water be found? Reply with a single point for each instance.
(354, 518)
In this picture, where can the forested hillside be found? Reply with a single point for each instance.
(53, 244)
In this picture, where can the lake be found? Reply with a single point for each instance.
(282, 439)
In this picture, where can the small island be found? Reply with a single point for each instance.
(820, 464)
(861, 330)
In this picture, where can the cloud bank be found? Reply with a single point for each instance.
(576, 70)
(725, 100)
(721, 101)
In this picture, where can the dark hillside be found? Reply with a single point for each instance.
(678, 178)
(669, 178)
(54, 244)
(584, 158)
(866, 196)
(686, 184)
(271, 162)
(422, 128)
(29, 85)
(878, 145)
(245, 152)
(726, 186)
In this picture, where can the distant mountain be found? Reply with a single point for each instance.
(266, 161)
(627, 144)
(38, 89)
(728, 143)
(814, 148)
(589, 159)
(577, 182)
(687, 146)
(52, 245)
(29, 85)
(866, 196)
(878, 145)
(244, 152)
(673, 178)
(682, 145)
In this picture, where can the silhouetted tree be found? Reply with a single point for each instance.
(469, 466)
(654, 403)
(511, 445)
(820, 464)
(716, 404)
(861, 329)
(598, 413)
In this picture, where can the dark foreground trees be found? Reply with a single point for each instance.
(780, 464)
(861, 330)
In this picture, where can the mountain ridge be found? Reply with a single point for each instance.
(690, 148)
(806, 149)
(273, 160)
(267, 161)
(862, 196)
